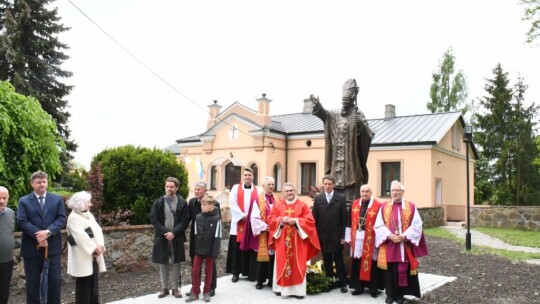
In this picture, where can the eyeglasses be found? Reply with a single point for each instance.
(396, 190)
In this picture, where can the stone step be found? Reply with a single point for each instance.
(459, 224)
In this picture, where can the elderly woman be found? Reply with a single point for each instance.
(85, 250)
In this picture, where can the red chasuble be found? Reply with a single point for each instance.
(369, 236)
(292, 252)
(240, 199)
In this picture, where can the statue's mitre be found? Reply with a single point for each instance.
(350, 89)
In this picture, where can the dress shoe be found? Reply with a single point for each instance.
(400, 300)
(212, 292)
(299, 297)
(163, 293)
(269, 284)
(344, 289)
(374, 294)
(192, 298)
(234, 278)
(277, 294)
(176, 293)
(389, 300)
(357, 292)
(259, 286)
(206, 297)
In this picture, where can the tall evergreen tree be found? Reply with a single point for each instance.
(505, 135)
(31, 57)
(449, 89)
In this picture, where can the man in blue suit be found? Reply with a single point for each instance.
(41, 215)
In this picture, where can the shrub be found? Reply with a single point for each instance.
(133, 178)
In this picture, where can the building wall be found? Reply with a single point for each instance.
(421, 166)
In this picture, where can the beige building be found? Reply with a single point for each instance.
(425, 152)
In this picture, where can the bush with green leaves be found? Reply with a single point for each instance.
(133, 178)
(29, 142)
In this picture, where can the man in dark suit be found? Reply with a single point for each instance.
(41, 215)
(330, 213)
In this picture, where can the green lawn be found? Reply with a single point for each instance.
(526, 238)
(513, 236)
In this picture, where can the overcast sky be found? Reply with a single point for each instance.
(236, 50)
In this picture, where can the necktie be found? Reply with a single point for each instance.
(41, 202)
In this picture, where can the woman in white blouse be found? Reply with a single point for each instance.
(85, 250)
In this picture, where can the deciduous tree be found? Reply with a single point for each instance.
(449, 89)
(532, 14)
(28, 141)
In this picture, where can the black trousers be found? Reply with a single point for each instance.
(86, 288)
(329, 258)
(391, 283)
(376, 280)
(6, 270)
(265, 270)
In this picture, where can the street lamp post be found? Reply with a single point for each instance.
(467, 138)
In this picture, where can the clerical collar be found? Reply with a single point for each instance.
(398, 202)
(290, 202)
(247, 186)
(365, 201)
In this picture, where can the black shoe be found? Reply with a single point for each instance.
(389, 300)
(259, 286)
(234, 278)
(400, 300)
(344, 289)
(212, 292)
(299, 297)
(374, 294)
(269, 284)
(277, 294)
(357, 292)
(188, 294)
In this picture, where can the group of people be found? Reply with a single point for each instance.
(272, 240)
(41, 216)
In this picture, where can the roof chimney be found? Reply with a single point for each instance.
(213, 112)
(308, 106)
(264, 110)
(389, 111)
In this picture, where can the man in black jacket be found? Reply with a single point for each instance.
(170, 217)
(199, 189)
(330, 213)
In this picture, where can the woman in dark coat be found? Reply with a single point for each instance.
(170, 217)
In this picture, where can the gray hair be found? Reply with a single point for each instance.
(366, 186)
(38, 174)
(397, 184)
(268, 179)
(289, 184)
(4, 189)
(78, 200)
(201, 185)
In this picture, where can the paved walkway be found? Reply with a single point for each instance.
(482, 239)
(244, 292)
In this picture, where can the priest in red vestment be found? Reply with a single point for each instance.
(295, 241)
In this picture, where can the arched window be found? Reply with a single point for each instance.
(277, 177)
(255, 174)
(213, 178)
(232, 175)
